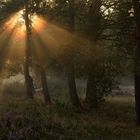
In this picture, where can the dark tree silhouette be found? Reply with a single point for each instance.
(28, 78)
(70, 67)
(94, 27)
(136, 5)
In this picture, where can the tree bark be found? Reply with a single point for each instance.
(136, 5)
(72, 85)
(70, 69)
(94, 22)
(45, 86)
(91, 95)
(28, 78)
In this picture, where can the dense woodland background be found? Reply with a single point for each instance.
(73, 54)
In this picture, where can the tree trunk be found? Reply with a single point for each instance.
(137, 88)
(94, 27)
(28, 78)
(72, 86)
(136, 5)
(45, 86)
(71, 70)
(91, 95)
(137, 80)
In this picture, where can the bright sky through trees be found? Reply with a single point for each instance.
(17, 21)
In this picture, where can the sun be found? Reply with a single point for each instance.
(17, 22)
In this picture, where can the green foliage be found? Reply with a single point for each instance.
(7, 8)
(31, 120)
(105, 77)
(27, 124)
(107, 36)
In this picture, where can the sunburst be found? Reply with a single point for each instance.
(17, 21)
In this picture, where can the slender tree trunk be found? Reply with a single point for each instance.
(91, 95)
(137, 80)
(137, 83)
(71, 70)
(72, 85)
(136, 5)
(45, 85)
(28, 78)
(94, 22)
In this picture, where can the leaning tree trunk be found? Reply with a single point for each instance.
(45, 85)
(28, 78)
(70, 69)
(136, 5)
(94, 26)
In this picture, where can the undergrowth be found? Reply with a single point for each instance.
(32, 120)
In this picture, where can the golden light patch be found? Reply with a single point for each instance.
(17, 22)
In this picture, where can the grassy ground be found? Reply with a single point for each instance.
(31, 120)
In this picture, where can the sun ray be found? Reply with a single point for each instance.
(4, 50)
(46, 37)
(40, 49)
(37, 23)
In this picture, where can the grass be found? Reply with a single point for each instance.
(31, 120)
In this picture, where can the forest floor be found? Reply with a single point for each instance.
(32, 120)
